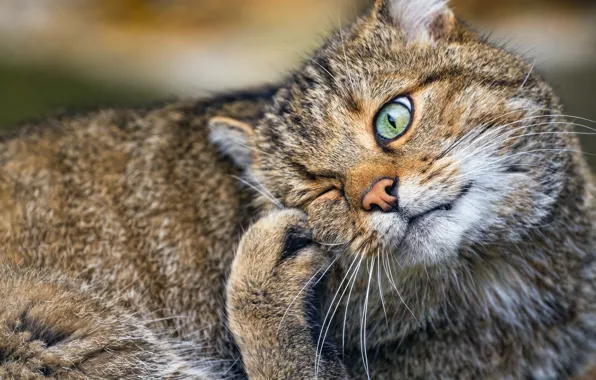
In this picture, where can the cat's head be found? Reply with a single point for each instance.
(407, 134)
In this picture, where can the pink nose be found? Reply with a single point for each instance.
(380, 195)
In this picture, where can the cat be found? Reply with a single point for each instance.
(458, 213)
(422, 211)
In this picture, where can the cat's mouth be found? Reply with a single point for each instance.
(419, 233)
(440, 208)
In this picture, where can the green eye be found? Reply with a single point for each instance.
(393, 119)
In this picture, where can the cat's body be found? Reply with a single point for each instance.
(133, 208)
(475, 260)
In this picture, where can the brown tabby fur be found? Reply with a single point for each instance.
(119, 228)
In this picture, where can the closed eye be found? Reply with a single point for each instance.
(314, 184)
(327, 191)
(322, 192)
(304, 171)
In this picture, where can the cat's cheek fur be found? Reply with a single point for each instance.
(327, 219)
(500, 203)
(438, 237)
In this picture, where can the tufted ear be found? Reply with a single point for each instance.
(420, 20)
(232, 137)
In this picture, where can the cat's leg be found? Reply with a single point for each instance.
(269, 301)
(49, 329)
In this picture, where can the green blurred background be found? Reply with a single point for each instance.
(58, 55)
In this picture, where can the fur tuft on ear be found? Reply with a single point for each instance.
(420, 20)
(232, 137)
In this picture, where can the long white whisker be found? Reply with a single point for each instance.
(353, 280)
(269, 197)
(265, 189)
(364, 318)
(381, 291)
(505, 137)
(401, 298)
(496, 130)
(481, 131)
(304, 287)
(488, 134)
(500, 160)
(323, 333)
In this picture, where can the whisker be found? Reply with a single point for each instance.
(353, 280)
(475, 133)
(331, 244)
(500, 160)
(401, 298)
(223, 375)
(381, 291)
(323, 333)
(304, 287)
(505, 137)
(308, 59)
(528, 75)
(562, 150)
(270, 198)
(478, 131)
(364, 318)
(265, 189)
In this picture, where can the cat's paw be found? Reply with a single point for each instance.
(49, 329)
(271, 308)
(276, 262)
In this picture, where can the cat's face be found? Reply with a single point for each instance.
(413, 138)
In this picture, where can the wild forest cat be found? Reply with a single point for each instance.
(423, 212)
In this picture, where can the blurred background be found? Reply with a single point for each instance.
(72, 54)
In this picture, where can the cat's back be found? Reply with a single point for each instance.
(136, 203)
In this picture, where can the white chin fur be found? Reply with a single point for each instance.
(439, 236)
(430, 240)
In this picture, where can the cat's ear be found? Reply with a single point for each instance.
(420, 20)
(232, 137)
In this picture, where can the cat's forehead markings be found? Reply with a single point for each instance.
(388, 86)
(358, 125)
(353, 103)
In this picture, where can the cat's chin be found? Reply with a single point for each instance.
(428, 240)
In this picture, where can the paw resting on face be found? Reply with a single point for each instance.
(269, 299)
(276, 259)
